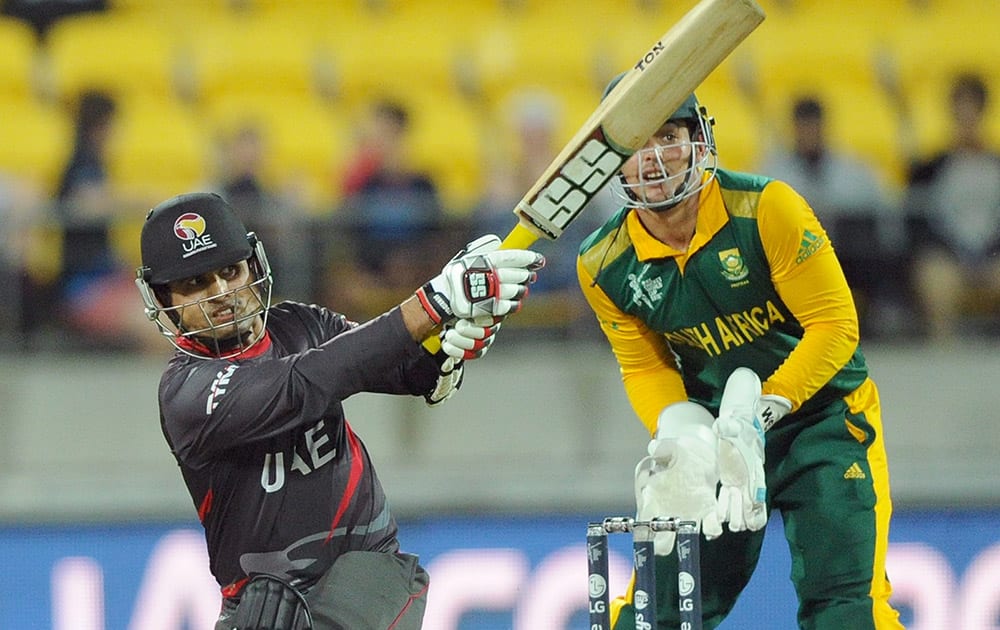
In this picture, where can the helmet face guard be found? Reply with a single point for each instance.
(227, 340)
(647, 191)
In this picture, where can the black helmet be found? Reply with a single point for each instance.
(192, 234)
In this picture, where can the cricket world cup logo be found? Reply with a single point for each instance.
(190, 229)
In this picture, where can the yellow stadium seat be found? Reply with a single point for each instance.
(157, 148)
(119, 53)
(37, 139)
(559, 45)
(17, 59)
(251, 53)
(393, 53)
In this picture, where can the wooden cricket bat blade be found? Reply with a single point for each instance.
(666, 74)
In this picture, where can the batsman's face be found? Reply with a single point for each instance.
(659, 169)
(220, 304)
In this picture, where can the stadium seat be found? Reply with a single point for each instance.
(36, 142)
(157, 149)
(250, 53)
(17, 59)
(394, 53)
(542, 47)
(119, 53)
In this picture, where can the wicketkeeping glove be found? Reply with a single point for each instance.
(679, 477)
(480, 280)
(743, 495)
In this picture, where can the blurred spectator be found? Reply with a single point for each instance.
(42, 14)
(277, 216)
(526, 144)
(95, 285)
(953, 207)
(393, 215)
(21, 208)
(855, 207)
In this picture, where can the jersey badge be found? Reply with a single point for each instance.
(734, 268)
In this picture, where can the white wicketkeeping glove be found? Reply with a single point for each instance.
(743, 496)
(468, 339)
(679, 477)
(480, 280)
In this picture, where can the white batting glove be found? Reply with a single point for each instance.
(743, 496)
(469, 339)
(480, 280)
(679, 477)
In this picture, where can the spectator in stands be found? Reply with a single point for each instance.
(855, 207)
(95, 284)
(393, 214)
(276, 213)
(953, 208)
(528, 142)
(21, 208)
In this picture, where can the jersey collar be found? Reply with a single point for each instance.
(712, 216)
(253, 351)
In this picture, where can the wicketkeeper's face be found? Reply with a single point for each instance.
(657, 171)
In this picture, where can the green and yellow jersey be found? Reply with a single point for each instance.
(759, 286)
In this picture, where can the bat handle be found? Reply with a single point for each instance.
(521, 237)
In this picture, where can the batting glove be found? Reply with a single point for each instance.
(469, 339)
(451, 371)
(480, 280)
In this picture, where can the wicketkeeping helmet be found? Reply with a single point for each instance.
(194, 234)
(704, 159)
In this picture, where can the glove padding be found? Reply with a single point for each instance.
(469, 339)
(743, 495)
(678, 478)
(481, 280)
(451, 371)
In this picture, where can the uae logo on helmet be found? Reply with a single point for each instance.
(190, 229)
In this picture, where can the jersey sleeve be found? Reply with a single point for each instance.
(212, 405)
(647, 365)
(808, 277)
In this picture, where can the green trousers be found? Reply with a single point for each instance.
(827, 476)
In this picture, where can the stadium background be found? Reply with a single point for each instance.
(88, 493)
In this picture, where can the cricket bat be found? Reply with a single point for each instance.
(666, 74)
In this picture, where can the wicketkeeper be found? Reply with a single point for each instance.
(737, 338)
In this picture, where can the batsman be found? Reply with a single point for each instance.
(737, 340)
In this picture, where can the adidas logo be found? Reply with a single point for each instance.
(810, 244)
(854, 472)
